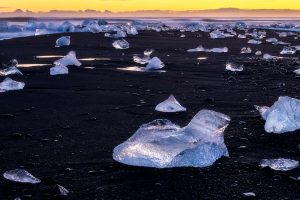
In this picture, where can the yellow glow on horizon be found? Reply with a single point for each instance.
(131, 5)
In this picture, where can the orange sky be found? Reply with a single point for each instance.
(130, 5)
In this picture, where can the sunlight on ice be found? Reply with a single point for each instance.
(20, 175)
(170, 105)
(11, 68)
(280, 164)
(162, 144)
(63, 41)
(9, 84)
(283, 116)
(121, 44)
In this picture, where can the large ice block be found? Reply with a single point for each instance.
(162, 144)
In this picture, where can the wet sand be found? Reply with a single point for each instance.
(63, 129)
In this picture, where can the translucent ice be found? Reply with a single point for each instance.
(121, 44)
(297, 71)
(63, 41)
(272, 40)
(234, 67)
(258, 53)
(170, 105)
(9, 84)
(119, 34)
(69, 59)
(11, 68)
(280, 164)
(154, 64)
(59, 69)
(162, 144)
(20, 175)
(62, 190)
(246, 50)
(145, 59)
(288, 50)
(283, 116)
(214, 50)
(254, 41)
(269, 57)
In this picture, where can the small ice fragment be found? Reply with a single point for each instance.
(63, 41)
(272, 40)
(214, 50)
(154, 64)
(280, 164)
(20, 175)
(162, 144)
(269, 57)
(288, 50)
(170, 105)
(59, 69)
(242, 36)
(249, 194)
(254, 41)
(11, 68)
(283, 116)
(121, 44)
(246, 50)
(258, 53)
(182, 36)
(146, 57)
(62, 190)
(69, 59)
(9, 84)
(131, 30)
(297, 71)
(197, 49)
(234, 67)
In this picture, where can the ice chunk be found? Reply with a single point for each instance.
(234, 67)
(297, 71)
(59, 69)
(121, 44)
(9, 84)
(258, 53)
(246, 50)
(283, 116)
(214, 50)
(11, 68)
(269, 57)
(119, 34)
(139, 69)
(20, 175)
(162, 144)
(131, 30)
(63, 41)
(62, 190)
(154, 64)
(249, 194)
(69, 59)
(254, 41)
(242, 36)
(288, 50)
(272, 40)
(197, 49)
(170, 105)
(280, 164)
(146, 57)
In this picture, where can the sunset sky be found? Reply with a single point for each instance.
(130, 5)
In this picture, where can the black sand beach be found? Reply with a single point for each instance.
(63, 129)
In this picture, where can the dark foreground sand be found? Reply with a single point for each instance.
(63, 129)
